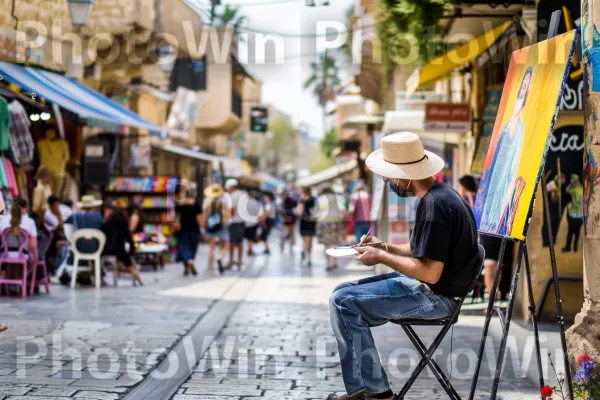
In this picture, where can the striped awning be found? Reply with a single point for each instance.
(97, 110)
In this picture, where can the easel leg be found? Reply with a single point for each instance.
(505, 328)
(533, 312)
(488, 317)
(559, 310)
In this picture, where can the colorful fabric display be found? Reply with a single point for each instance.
(21, 141)
(10, 174)
(4, 124)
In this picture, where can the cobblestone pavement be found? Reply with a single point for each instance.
(97, 344)
(278, 344)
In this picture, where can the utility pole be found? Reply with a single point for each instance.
(583, 337)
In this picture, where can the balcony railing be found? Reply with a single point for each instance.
(236, 104)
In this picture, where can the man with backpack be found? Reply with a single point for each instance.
(216, 217)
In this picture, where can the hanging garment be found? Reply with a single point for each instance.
(3, 176)
(54, 155)
(10, 175)
(59, 121)
(4, 124)
(21, 141)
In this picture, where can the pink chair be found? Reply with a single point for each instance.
(43, 247)
(20, 241)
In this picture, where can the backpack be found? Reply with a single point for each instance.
(214, 223)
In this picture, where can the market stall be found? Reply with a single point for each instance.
(155, 195)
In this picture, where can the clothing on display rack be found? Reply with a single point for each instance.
(4, 124)
(21, 141)
(10, 175)
(3, 176)
(8, 182)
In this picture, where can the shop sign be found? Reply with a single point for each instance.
(183, 112)
(447, 117)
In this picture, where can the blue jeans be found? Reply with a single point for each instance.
(361, 228)
(188, 244)
(357, 306)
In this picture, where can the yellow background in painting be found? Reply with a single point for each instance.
(549, 60)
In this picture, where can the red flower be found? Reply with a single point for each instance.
(582, 358)
(546, 391)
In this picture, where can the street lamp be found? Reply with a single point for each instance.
(80, 11)
(167, 57)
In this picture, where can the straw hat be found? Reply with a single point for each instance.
(402, 156)
(89, 201)
(214, 190)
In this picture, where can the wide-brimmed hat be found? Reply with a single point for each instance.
(214, 190)
(89, 201)
(402, 156)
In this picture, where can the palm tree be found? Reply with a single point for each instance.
(324, 81)
(230, 17)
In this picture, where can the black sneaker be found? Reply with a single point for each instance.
(220, 267)
(267, 251)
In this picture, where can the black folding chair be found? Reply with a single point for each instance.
(427, 353)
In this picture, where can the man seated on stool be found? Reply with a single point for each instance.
(437, 265)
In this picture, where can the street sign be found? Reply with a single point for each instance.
(448, 117)
(259, 119)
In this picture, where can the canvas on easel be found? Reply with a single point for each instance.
(512, 170)
(514, 166)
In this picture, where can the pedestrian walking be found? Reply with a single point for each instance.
(574, 213)
(119, 243)
(438, 265)
(331, 227)
(308, 224)
(289, 216)
(187, 228)
(252, 212)
(237, 227)
(360, 210)
(135, 218)
(216, 216)
(268, 220)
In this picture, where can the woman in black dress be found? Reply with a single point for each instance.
(116, 229)
(135, 218)
(308, 224)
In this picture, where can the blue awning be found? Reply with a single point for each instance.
(96, 109)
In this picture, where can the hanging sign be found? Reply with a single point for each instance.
(447, 117)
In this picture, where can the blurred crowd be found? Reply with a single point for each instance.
(236, 221)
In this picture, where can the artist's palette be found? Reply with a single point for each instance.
(344, 251)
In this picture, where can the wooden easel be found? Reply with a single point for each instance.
(505, 318)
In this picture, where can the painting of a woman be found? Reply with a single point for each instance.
(498, 210)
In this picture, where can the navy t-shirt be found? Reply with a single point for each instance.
(445, 231)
